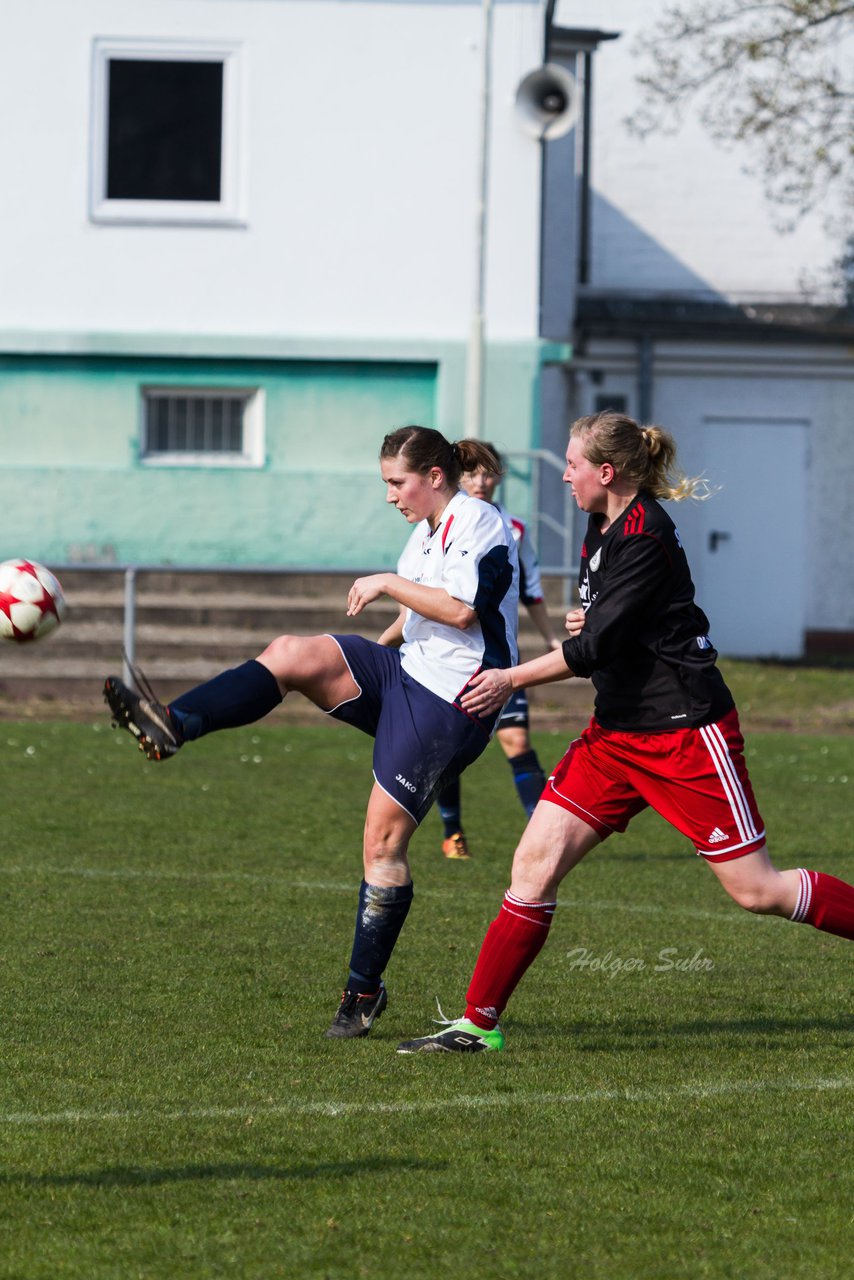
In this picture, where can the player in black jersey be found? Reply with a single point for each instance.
(664, 733)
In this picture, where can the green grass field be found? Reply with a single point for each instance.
(675, 1099)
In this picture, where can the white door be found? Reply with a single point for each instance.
(752, 579)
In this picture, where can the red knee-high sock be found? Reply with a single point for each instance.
(826, 903)
(512, 943)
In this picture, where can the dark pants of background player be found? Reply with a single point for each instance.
(420, 740)
(528, 777)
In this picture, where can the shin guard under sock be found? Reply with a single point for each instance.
(826, 903)
(379, 920)
(240, 696)
(529, 779)
(512, 943)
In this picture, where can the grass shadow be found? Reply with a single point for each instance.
(135, 1176)
(629, 1037)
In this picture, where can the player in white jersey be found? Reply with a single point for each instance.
(455, 556)
(513, 723)
(458, 592)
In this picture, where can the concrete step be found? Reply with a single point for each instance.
(190, 625)
(110, 604)
(214, 582)
(78, 694)
(91, 641)
(20, 673)
(273, 617)
(304, 615)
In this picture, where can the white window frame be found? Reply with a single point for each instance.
(253, 452)
(230, 209)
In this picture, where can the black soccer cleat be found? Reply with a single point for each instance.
(146, 718)
(357, 1014)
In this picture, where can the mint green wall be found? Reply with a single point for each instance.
(73, 489)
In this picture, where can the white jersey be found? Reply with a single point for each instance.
(530, 583)
(472, 555)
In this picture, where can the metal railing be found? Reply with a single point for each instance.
(129, 574)
(542, 462)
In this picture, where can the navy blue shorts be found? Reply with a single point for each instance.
(421, 741)
(515, 712)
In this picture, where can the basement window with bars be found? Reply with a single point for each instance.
(210, 427)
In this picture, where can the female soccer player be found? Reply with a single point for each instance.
(458, 588)
(664, 732)
(512, 729)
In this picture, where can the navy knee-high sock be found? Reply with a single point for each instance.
(529, 779)
(239, 696)
(379, 921)
(449, 805)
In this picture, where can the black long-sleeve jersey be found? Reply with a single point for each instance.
(645, 642)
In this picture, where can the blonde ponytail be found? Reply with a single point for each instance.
(643, 456)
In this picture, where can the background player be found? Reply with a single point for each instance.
(458, 586)
(513, 723)
(664, 733)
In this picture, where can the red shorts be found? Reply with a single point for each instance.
(695, 778)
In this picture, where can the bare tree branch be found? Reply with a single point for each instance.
(776, 76)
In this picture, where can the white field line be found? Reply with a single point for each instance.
(727, 914)
(461, 1102)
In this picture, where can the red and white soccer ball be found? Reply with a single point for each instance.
(31, 601)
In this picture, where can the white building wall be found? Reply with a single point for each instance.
(678, 212)
(360, 146)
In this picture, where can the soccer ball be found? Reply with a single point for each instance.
(31, 601)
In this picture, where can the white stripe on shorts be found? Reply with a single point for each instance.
(726, 771)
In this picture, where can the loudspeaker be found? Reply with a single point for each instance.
(547, 102)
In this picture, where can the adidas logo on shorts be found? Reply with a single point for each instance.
(717, 836)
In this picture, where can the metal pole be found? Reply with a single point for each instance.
(474, 368)
(645, 377)
(129, 633)
(585, 218)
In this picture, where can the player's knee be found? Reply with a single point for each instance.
(761, 898)
(385, 860)
(385, 838)
(383, 843)
(753, 902)
(534, 874)
(282, 656)
(514, 741)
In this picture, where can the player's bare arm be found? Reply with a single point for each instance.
(433, 603)
(489, 690)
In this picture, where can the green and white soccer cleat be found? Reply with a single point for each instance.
(459, 1037)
